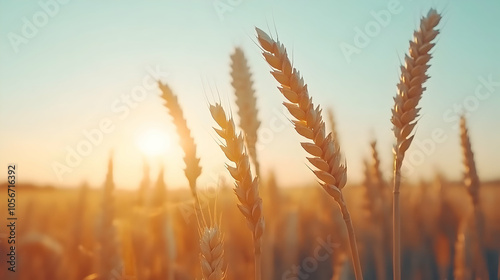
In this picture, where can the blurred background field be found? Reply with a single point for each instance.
(58, 231)
(87, 81)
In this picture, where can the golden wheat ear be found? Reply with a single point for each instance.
(405, 111)
(473, 186)
(212, 253)
(323, 148)
(410, 89)
(212, 262)
(246, 101)
(471, 178)
(193, 168)
(246, 187)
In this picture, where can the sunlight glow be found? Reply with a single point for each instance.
(153, 142)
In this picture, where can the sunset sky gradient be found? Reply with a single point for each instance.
(78, 69)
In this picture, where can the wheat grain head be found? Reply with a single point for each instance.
(371, 197)
(193, 168)
(405, 113)
(324, 151)
(246, 102)
(246, 187)
(410, 90)
(376, 171)
(471, 178)
(212, 253)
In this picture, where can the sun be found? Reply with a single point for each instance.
(153, 142)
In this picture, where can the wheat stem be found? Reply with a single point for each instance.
(396, 220)
(405, 113)
(129, 271)
(107, 232)
(472, 185)
(376, 171)
(258, 264)
(471, 178)
(325, 151)
(246, 187)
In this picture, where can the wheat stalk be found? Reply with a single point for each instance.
(375, 214)
(472, 183)
(246, 187)
(246, 102)
(471, 178)
(193, 168)
(158, 223)
(460, 272)
(107, 234)
(272, 197)
(383, 195)
(326, 156)
(78, 232)
(405, 112)
(378, 179)
(129, 271)
(371, 197)
(379, 183)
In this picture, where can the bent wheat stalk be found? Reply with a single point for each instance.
(405, 112)
(247, 187)
(326, 156)
(193, 168)
(246, 102)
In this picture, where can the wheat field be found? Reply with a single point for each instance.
(252, 224)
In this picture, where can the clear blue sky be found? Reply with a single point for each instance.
(70, 72)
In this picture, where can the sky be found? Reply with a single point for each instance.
(80, 75)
